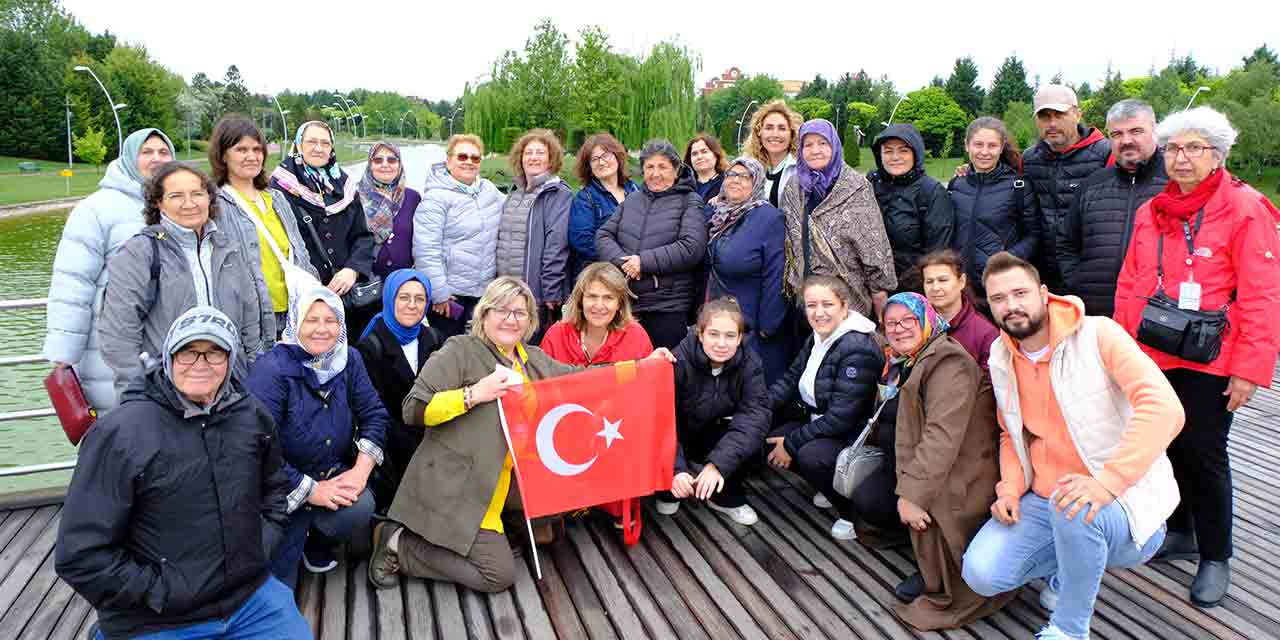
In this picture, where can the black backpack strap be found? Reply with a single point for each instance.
(1019, 185)
(155, 260)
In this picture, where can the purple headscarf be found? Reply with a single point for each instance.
(819, 181)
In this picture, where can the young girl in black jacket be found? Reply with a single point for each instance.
(722, 414)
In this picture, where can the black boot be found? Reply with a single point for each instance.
(911, 588)
(1210, 585)
(1177, 546)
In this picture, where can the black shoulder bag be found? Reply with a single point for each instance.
(360, 295)
(1188, 334)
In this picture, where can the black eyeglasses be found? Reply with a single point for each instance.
(188, 357)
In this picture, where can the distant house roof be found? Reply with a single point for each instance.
(791, 88)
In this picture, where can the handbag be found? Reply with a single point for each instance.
(1189, 334)
(295, 277)
(859, 461)
(69, 403)
(358, 296)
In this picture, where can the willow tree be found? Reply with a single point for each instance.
(487, 110)
(660, 98)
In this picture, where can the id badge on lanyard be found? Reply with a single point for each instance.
(1189, 291)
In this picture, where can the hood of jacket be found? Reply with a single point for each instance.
(117, 179)
(1065, 315)
(1088, 136)
(439, 178)
(685, 183)
(908, 134)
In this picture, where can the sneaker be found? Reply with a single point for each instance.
(384, 564)
(1049, 594)
(909, 589)
(843, 530)
(668, 508)
(1052, 632)
(318, 560)
(741, 514)
(820, 501)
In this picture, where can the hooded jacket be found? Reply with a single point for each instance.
(592, 207)
(455, 234)
(1095, 233)
(668, 230)
(725, 415)
(918, 215)
(1055, 177)
(96, 229)
(533, 241)
(174, 509)
(995, 211)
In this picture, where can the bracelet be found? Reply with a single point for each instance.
(466, 398)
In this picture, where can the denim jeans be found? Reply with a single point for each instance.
(269, 613)
(334, 528)
(1044, 543)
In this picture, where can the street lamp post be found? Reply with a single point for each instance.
(455, 112)
(738, 139)
(1193, 96)
(114, 107)
(69, 161)
(350, 111)
(895, 110)
(284, 124)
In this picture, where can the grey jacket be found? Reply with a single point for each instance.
(455, 234)
(533, 238)
(237, 224)
(137, 313)
(668, 230)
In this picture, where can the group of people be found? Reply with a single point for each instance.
(961, 334)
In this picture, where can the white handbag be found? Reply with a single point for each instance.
(859, 460)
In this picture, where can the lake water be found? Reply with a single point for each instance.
(27, 247)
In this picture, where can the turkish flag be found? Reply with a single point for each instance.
(592, 437)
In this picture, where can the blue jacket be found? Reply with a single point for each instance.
(316, 434)
(747, 262)
(592, 207)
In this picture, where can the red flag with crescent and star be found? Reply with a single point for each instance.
(596, 436)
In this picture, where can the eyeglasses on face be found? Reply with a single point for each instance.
(602, 158)
(467, 157)
(520, 315)
(176, 198)
(388, 160)
(314, 143)
(534, 152)
(1192, 150)
(906, 324)
(737, 175)
(188, 357)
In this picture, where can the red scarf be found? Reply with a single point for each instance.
(1172, 206)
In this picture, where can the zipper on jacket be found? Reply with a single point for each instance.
(973, 228)
(1126, 234)
(208, 292)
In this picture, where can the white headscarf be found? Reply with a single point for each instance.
(332, 362)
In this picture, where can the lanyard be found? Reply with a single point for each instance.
(1189, 235)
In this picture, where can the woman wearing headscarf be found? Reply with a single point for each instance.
(834, 226)
(329, 213)
(95, 231)
(938, 430)
(388, 208)
(746, 255)
(395, 345)
(332, 427)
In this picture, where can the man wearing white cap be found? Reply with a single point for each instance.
(1056, 166)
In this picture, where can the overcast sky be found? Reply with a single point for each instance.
(430, 49)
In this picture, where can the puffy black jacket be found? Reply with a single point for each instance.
(845, 389)
(171, 515)
(917, 211)
(721, 419)
(1055, 177)
(668, 230)
(995, 211)
(1094, 235)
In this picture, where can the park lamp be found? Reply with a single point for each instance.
(895, 110)
(1193, 96)
(115, 108)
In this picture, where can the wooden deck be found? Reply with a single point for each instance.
(697, 575)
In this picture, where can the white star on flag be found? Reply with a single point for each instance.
(610, 432)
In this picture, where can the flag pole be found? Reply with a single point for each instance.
(533, 545)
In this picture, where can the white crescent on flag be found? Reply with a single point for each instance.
(545, 439)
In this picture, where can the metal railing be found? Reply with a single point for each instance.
(27, 414)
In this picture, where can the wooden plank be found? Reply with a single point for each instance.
(389, 605)
(87, 627)
(1178, 609)
(700, 604)
(448, 610)
(308, 597)
(333, 614)
(664, 592)
(606, 584)
(72, 619)
(359, 600)
(419, 613)
(22, 571)
(30, 600)
(720, 548)
(475, 614)
(617, 557)
(583, 596)
(505, 617)
(19, 537)
(713, 582)
(47, 612)
(1223, 615)
(529, 603)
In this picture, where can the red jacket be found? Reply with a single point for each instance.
(563, 342)
(1237, 250)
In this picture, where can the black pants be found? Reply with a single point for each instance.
(816, 463)
(876, 499)
(665, 328)
(449, 327)
(1201, 464)
(696, 450)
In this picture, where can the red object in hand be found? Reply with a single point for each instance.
(597, 436)
(69, 403)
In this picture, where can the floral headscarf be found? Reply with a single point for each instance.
(381, 200)
(932, 325)
(330, 363)
(728, 213)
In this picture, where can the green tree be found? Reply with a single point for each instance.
(963, 87)
(728, 105)
(595, 97)
(1083, 91)
(935, 115)
(811, 108)
(1261, 54)
(1021, 124)
(542, 78)
(37, 41)
(861, 115)
(1187, 70)
(1165, 92)
(1009, 85)
(1258, 144)
(1112, 91)
(235, 96)
(817, 88)
(839, 95)
(90, 147)
(862, 88)
(885, 96)
(660, 96)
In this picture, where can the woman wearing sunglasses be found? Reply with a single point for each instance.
(388, 208)
(455, 233)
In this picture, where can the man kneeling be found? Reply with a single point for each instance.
(1086, 418)
(177, 500)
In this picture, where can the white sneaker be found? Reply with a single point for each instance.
(1049, 594)
(1051, 632)
(743, 514)
(668, 508)
(843, 530)
(820, 501)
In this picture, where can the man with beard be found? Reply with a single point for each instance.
(1085, 418)
(1094, 235)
